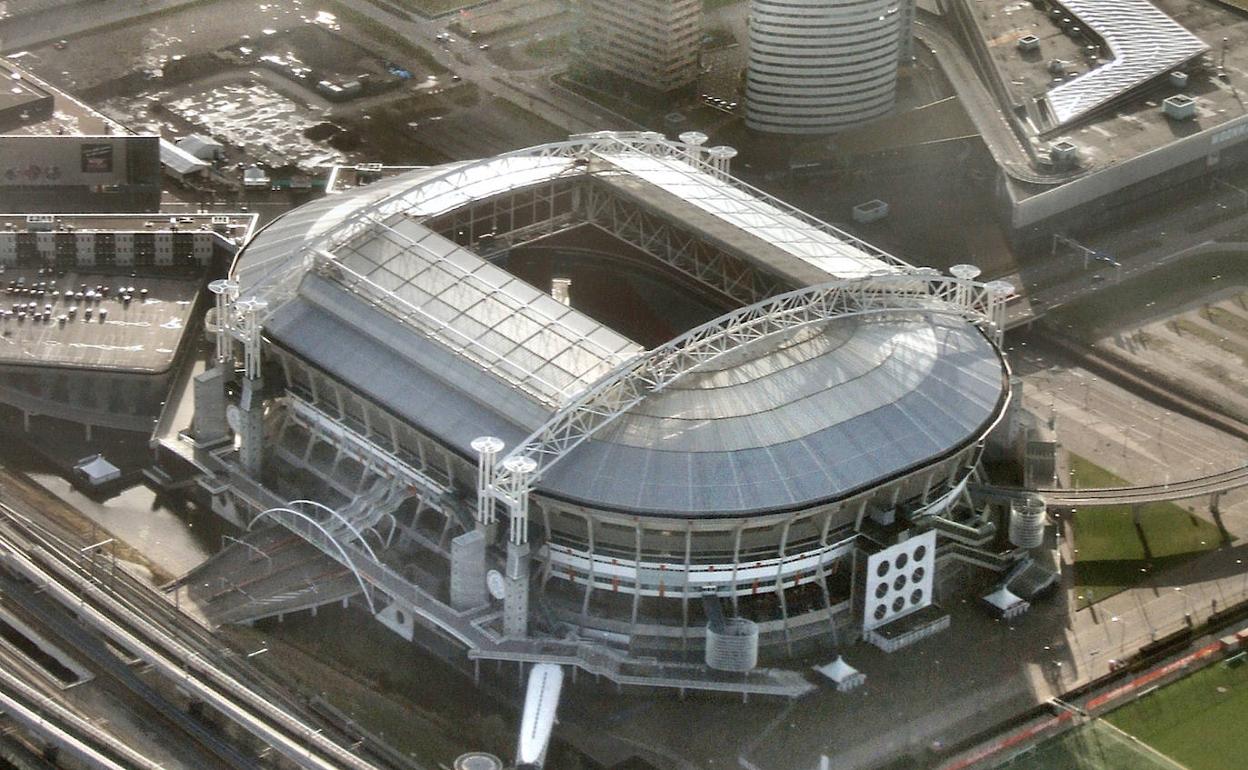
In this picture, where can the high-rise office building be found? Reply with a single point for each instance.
(819, 66)
(652, 42)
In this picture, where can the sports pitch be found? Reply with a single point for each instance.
(1192, 724)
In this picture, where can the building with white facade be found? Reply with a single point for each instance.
(819, 66)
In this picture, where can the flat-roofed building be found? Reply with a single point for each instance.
(652, 42)
(58, 154)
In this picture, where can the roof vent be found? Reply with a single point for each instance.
(1028, 43)
(1178, 79)
(1179, 107)
(1064, 154)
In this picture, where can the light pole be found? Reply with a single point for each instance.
(1187, 606)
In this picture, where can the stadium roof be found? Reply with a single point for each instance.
(795, 419)
(1145, 43)
(360, 287)
(835, 255)
(482, 311)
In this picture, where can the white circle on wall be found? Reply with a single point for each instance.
(495, 584)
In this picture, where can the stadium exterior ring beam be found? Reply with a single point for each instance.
(652, 371)
(346, 557)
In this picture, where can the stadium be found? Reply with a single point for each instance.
(598, 403)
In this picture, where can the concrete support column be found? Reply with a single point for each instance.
(516, 593)
(226, 292)
(965, 275)
(468, 570)
(695, 140)
(516, 585)
(999, 293)
(209, 423)
(721, 160)
(250, 427)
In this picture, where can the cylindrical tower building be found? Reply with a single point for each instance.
(819, 66)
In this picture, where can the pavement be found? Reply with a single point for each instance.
(1145, 444)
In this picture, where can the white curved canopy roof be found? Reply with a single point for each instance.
(1145, 43)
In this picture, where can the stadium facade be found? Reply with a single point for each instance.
(414, 377)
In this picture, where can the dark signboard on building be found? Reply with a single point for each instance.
(97, 158)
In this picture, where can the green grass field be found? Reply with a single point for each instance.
(1113, 555)
(1198, 720)
(1093, 746)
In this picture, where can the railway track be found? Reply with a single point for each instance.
(132, 620)
(46, 714)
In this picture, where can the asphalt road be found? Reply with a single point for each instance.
(529, 90)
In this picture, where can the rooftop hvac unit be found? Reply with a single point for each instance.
(1179, 107)
(1064, 154)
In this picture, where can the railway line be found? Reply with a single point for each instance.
(128, 613)
(46, 715)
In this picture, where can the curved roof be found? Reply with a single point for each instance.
(1145, 43)
(358, 286)
(793, 420)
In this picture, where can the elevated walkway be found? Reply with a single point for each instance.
(976, 556)
(1213, 484)
(476, 632)
(266, 573)
(977, 535)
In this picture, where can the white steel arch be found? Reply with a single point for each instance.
(346, 557)
(342, 520)
(650, 372)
